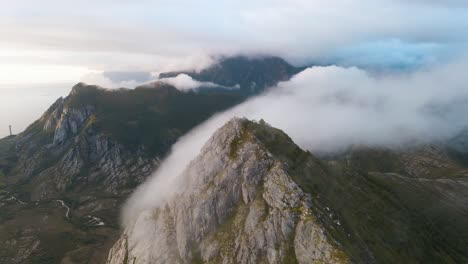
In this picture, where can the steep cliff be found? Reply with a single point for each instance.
(64, 151)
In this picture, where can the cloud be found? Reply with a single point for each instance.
(124, 76)
(184, 82)
(159, 33)
(117, 79)
(131, 80)
(336, 107)
(328, 109)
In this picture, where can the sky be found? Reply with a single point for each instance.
(56, 43)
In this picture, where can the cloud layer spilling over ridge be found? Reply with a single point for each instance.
(327, 109)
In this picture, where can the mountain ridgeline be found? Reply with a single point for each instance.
(91, 149)
(252, 76)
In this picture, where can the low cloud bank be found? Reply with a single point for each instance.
(184, 82)
(112, 80)
(327, 109)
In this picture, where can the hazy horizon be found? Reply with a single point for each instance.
(21, 105)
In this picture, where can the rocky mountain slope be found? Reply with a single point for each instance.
(253, 196)
(238, 205)
(90, 150)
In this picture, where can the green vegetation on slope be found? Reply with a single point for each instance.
(153, 117)
(7, 157)
(383, 215)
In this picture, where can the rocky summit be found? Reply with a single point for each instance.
(238, 205)
(253, 196)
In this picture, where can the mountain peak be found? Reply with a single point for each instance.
(235, 204)
(82, 87)
(252, 195)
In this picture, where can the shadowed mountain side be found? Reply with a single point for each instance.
(253, 75)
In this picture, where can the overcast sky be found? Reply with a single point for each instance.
(61, 40)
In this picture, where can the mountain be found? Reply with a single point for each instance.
(238, 205)
(86, 153)
(64, 179)
(253, 196)
(252, 75)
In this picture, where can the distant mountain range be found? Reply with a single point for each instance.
(252, 75)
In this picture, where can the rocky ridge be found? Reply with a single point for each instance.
(81, 155)
(238, 205)
(253, 196)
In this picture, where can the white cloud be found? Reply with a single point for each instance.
(184, 82)
(98, 78)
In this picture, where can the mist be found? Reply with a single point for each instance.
(328, 109)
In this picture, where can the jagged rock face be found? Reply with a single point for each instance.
(71, 122)
(52, 116)
(83, 156)
(237, 205)
(65, 156)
